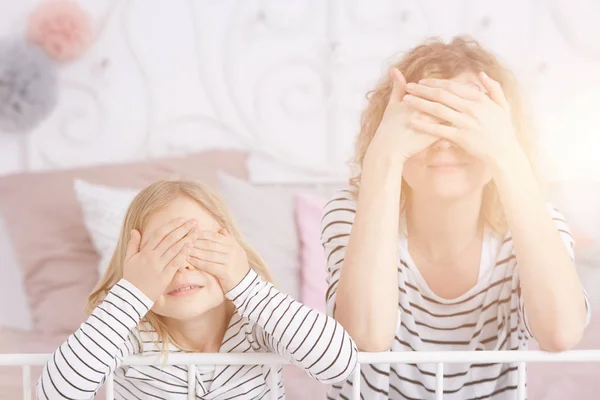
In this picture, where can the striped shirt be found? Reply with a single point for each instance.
(490, 316)
(266, 321)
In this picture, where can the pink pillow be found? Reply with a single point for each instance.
(313, 285)
(51, 243)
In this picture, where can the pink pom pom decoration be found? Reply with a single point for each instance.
(61, 28)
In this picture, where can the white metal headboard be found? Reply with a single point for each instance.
(283, 79)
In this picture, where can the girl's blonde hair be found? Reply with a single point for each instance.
(146, 203)
(435, 59)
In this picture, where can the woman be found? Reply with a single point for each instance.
(443, 241)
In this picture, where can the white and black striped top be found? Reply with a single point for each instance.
(266, 321)
(490, 316)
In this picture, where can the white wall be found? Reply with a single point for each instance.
(287, 78)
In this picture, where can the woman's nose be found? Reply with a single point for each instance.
(443, 144)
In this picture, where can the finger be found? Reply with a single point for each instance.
(215, 237)
(438, 130)
(437, 110)
(427, 118)
(157, 236)
(214, 269)
(209, 245)
(467, 92)
(133, 245)
(494, 89)
(398, 86)
(209, 256)
(175, 236)
(183, 246)
(439, 95)
(171, 268)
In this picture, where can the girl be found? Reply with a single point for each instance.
(443, 241)
(183, 279)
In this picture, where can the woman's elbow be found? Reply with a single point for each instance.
(368, 338)
(374, 343)
(562, 339)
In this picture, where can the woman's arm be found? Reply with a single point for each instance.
(366, 293)
(304, 336)
(361, 247)
(482, 124)
(82, 363)
(552, 292)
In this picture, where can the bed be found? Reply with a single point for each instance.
(198, 76)
(51, 268)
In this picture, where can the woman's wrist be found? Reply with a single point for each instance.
(384, 159)
(511, 165)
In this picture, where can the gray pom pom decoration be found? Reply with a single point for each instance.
(28, 86)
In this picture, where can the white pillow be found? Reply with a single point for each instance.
(103, 209)
(14, 308)
(265, 217)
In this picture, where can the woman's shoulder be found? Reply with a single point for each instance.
(341, 199)
(340, 209)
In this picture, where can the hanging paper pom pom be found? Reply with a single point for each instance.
(28, 86)
(61, 28)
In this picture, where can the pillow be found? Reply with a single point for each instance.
(313, 275)
(265, 217)
(58, 260)
(104, 210)
(14, 311)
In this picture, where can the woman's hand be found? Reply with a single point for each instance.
(481, 124)
(219, 254)
(152, 267)
(394, 132)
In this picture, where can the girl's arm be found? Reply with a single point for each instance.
(82, 363)
(307, 338)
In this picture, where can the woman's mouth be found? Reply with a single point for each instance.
(447, 167)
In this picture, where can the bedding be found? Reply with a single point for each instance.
(14, 310)
(57, 259)
(265, 217)
(313, 275)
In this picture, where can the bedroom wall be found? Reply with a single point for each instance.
(286, 79)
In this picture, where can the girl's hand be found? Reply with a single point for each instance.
(481, 124)
(394, 133)
(220, 255)
(152, 267)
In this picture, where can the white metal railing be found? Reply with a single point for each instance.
(26, 361)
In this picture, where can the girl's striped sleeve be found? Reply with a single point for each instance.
(308, 338)
(82, 363)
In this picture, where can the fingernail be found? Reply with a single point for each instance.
(411, 85)
(194, 222)
(408, 98)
